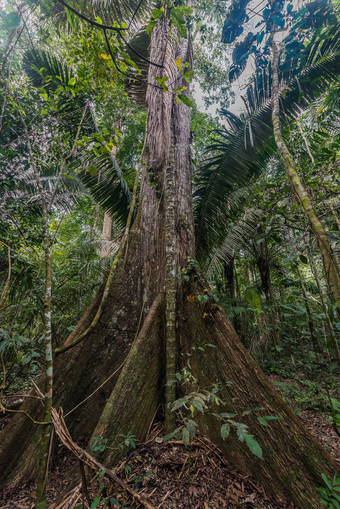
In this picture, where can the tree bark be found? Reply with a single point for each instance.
(331, 331)
(106, 241)
(263, 265)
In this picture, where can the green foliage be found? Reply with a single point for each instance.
(254, 300)
(243, 150)
(330, 495)
(199, 402)
(129, 440)
(99, 444)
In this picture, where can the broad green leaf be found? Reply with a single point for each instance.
(225, 429)
(327, 481)
(253, 445)
(95, 502)
(185, 100)
(198, 405)
(186, 436)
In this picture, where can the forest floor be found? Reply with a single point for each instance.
(170, 475)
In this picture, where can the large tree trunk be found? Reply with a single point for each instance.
(126, 347)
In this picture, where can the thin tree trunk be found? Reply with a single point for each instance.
(228, 269)
(41, 501)
(106, 241)
(314, 339)
(170, 293)
(330, 264)
(325, 311)
(262, 262)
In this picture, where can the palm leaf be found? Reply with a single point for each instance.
(243, 150)
(111, 190)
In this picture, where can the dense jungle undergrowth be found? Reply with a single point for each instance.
(169, 254)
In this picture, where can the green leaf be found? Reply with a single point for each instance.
(198, 405)
(327, 481)
(95, 502)
(178, 63)
(253, 299)
(186, 436)
(185, 100)
(225, 429)
(92, 170)
(303, 259)
(179, 403)
(253, 445)
(191, 427)
(262, 421)
(336, 503)
(161, 80)
(241, 433)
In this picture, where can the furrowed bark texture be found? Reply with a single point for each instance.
(330, 264)
(165, 221)
(133, 403)
(292, 460)
(170, 294)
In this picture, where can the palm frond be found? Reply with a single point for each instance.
(104, 185)
(111, 189)
(243, 150)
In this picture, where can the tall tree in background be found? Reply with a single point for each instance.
(151, 305)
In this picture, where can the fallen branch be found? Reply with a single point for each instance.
(65, 437)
